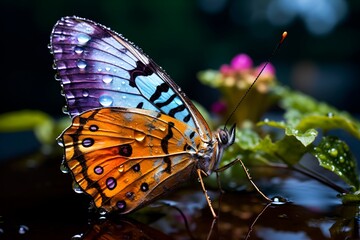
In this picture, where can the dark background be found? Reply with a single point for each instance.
(319, 57)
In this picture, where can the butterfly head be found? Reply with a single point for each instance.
(224, 138)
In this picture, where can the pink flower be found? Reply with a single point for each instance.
(226, 69)
(268, 71)
(241, 62)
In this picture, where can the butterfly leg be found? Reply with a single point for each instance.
(223, 168)
(199, 171)
(219, 183)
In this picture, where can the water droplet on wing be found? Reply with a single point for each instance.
(121, 168)
(139, 136)
(23, 229)
(64, 168)
(107, 79)
(81, 64)
(76, 187)
(83, 38)
(78, 50)
(85, 93)
(106, 101)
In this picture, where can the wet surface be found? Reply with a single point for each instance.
(38, 203)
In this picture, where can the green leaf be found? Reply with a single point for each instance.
(291, 146)
(45, 128)
(247, 138)
(305, 138)
(304, 112)
(329, 122)
(290, 150)
(22, 120)
(334, 154)
(351, 197)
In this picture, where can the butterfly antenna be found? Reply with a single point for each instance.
(283, 36)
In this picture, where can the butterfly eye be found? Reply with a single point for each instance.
(223, 136)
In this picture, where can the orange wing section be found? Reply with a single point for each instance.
(124, 158)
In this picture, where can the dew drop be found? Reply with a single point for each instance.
(139, 136)
(102, 211)
(162, 128)
(23, 229)
(341, 159)
(121, 168)
(107, 69)
(76, 187)
(278, 200)
(105, 100)
(266, 120)
(60, 142)
(77, 237)
(85, 93)
(107, 79)
(64, 168)
(333, 152)
(78, 50)
(83, 38)
(81, 64)
(57, 77)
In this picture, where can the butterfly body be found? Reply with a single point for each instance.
(135, 135)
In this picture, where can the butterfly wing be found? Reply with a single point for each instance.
(125, 158)
(99, 68)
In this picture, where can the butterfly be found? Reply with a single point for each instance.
(135, 135)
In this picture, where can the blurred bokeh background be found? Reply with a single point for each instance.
(320, 56)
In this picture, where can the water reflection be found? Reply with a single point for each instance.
(122, 229)
(53, 211)
(241, 216)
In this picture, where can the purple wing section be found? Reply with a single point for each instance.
(95, 68)
(99, 68)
